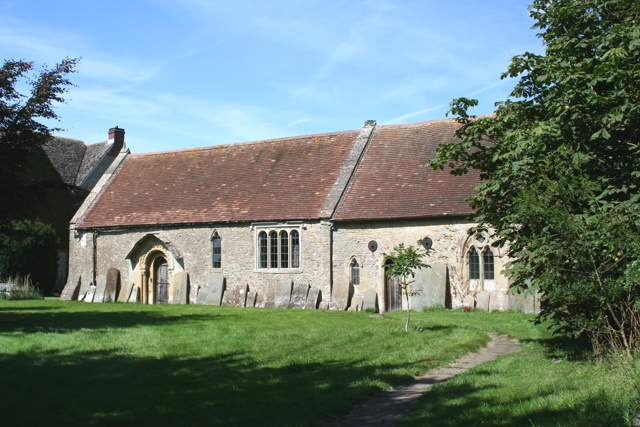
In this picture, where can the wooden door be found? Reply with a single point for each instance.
(162, 281)
(392, 292)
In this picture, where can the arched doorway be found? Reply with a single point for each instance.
(161, 280)
(392, 291)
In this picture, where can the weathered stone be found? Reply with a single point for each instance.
(370, 301)
(251, 299)
(267, 298)
(299, 295)
(341, 293)
(113, 285)
(90, 294)
(470, 301)
(211, 294)
(312, 299)
(180, 288)
(323, 305)
(101, 286)
(357, 301)
(84, 288)
(125, 291)
(71, 290)
(482, 301)
(536, 305)
(353, 308)
(283, 293)
(523, 302)
(430, 287)
(135, 294)
(236, 296)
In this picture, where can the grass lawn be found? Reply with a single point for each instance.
(71, 363)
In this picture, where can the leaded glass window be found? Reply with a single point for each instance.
(217, 251)
(273, 247)
(284, 249)
(295, 249)
(488, 265)
(355, 273)
(262, 239)
(474, 265)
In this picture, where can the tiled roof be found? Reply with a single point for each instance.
(283, 179)
(391, 181)
(65, 155)
(92, 156)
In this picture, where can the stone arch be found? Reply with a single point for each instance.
(481, 243)
(347, 266)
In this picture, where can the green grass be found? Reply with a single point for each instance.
(73, 363)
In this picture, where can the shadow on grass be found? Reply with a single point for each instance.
(561, 347)
(101, 388)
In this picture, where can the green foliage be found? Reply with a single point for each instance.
(561, 173)
(22, 289)
(29, 248)
(404, 261)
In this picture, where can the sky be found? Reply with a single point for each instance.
(194, 73)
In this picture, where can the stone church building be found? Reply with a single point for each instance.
(300, 221)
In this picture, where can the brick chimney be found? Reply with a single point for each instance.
(116, 137)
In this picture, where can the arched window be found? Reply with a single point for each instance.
(262, 240)
(217, 251)
(295, 249)
(273, 247)
(474, 265)
(355, 273)
(284, 249)
(488, 265)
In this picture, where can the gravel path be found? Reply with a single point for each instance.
(391, 405)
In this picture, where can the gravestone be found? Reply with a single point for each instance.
(312, 299)
(523, 302)
(299, 295)
(135, 294)
(470, 301)
(536, 304)
(341, 292)
(251, 299)
(211, 293)
(323, 305)
(236, 296)
(283, 293)
(90, 294)
(356, 303)
(430, 285)
(370, 301)
(180, 288)
(267, 297)
(482, 301)
(84, 288)
(113, 285)
(71, 290)
(125, 291)
(101, 286)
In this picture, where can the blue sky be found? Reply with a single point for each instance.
(192, 73)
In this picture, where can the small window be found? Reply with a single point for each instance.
(217, 251)
(295, 249)
(262, 238)
(474, 265)
(273, 247)
(488, 265)
(284, 249)
(355, 273)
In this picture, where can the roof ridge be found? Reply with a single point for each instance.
(423, 123)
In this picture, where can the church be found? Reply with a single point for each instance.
(300, 222)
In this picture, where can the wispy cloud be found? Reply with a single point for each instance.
(406, 117)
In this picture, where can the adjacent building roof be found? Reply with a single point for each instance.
(65, 155)
(391, 181)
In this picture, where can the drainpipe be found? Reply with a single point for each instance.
(95, 257)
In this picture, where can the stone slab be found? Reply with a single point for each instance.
(71, 290)
(523, 302)
(356, 303)
(180, 288)
(283, 293)
(267, 298)
(482, 301)
(235, 296)
(113, 285)
(125, 291)
(341, 293)
(430, 286)
(323, 305)
(251, 299)
(299, 295)
(90, 294)
(313, 298)
(84, 288)
(135, 294)
(370, 301)
(470, 301)
(211, 293)
(101, 286)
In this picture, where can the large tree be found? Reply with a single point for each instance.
(560, 169)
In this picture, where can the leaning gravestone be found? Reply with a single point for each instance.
(323, 305)
(356, 303)
(312, 299)
(135, 294)
(470, 301)
(299, 295)
(90, 294)
(430, 287)
(125, 291)
(71, 290)
(84, 288)
(267, 297)
(180, 288)
(340, 293)
(211, 293)
(482, 301)
(101, 286)
(113, 285)
(251, 299)
(236, 296)
(370, 301)
(283, 293)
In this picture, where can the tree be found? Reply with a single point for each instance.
(560, 168)
(403, 263)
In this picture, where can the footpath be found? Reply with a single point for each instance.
(392, 405)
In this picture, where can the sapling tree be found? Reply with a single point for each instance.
(404, 261)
